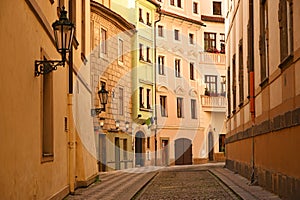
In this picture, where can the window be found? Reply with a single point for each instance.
(148, 19)
(228, 92)
(222, 143)
(263, 42)
(179, 107)
(141, 52)
(223, 86)
(148, 142)
(217, 8)
(285, 19)
(148, 98)
(172, 2)
(141, 97)
(161, 65)
(192, 76)
(121, 49)
(193, 109)
(222, 43)
(176, 34)
(141, 15)
(125, 148)
(195, 7)
(163, 105)
(211, 84)
(210, 42)
(121, 100)
(103, 41)
(148, 55)
(47, 115)
(191, 38)
(179, 3)
(233, 84)
(177, 68)
(160, 31)
(241, 73)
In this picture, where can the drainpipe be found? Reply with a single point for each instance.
(72, 136)
(155, 85)
(251, 86)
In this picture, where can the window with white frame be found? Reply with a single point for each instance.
(163, 105)
(103, 41)
(160, 30)
(176, 34)
(121, 101)
(141, 15)
(191, 38)
(193, 109)
(192, 74)
(179, 107)
(148, 54)
(141, 56)
(177, 68)
(161, 65)
(195, 7)
(121, 51)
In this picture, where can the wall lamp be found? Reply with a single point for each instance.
(101, 121)
(63, 35)
(103, 96)
(117, 124)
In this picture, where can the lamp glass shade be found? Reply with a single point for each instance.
(103, 96)
(63, 32)
(117, 124)
(101, 122)
(127, 125)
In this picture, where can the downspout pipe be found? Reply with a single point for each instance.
(155, 86)
(251, 87)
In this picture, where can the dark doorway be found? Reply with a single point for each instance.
(139, 148)
(165, 152)
(210, 146)
(117, 153)
(102, 153)
(183, 151)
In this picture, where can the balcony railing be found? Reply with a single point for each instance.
(212, 58)
(214, 103)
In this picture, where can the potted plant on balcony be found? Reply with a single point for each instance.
(206, 92)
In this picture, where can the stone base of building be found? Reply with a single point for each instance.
(284, 186)
(87, 182)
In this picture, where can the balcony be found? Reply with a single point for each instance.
(213, 103)
(212, 58)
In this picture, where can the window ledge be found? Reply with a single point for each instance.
(286, 62)
(264, 83)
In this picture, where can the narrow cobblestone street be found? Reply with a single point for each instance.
(207, 181)
(187, 184)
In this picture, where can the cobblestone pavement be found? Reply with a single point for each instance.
(206, 181)
(186, 183)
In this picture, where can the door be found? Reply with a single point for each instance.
(165, 152)
(210, 146)
(102, 152)
(117, 153)
(183, 151)
(139, 148)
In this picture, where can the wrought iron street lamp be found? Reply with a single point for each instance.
(103, 96)
(63, 35)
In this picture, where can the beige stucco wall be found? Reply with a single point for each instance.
(23, 175)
